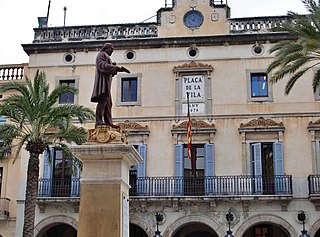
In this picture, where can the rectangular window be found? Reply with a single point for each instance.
(61, 166)
(62, 174)
(67, 98)
(129, 89)
(194, 167)
(259, 85)
(262, 231)
(194, 170)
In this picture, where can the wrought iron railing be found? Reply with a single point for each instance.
(243, 185)
(4, 208)
(11, 72)
(59, 187)
(314, 184)
(212, 186)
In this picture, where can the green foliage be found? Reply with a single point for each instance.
(35, 116)
(293, 59)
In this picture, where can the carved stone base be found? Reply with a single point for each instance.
(107, 134)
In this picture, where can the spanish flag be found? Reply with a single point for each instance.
(188, 129)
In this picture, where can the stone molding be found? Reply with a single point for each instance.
(261, 122)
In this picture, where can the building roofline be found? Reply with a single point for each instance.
(95, 45)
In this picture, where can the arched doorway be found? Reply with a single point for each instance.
(61, 230)
(195, 230)
(136, 231)
(317, 234)
(266, 230)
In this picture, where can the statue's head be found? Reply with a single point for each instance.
(108, 48)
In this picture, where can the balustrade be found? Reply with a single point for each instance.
(11, 72)
(257, 24)
(147, 30)
(78, 33)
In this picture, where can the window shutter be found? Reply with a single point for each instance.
(141, 169)
(3, 119)
(178, 169)
(47, 165)
(209, 168)
(142, 184)
(178, 160)
(278, 158)
(46, 184)
(257, 167)
(280, 184)
(75, 182)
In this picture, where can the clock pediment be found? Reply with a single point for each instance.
(194, 18)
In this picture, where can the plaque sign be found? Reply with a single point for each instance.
(195, 86)
(195, 108)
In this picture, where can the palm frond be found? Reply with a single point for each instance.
(293, 59)
(33, 112)
(293, 80)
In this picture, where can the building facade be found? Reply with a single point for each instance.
(255, 151)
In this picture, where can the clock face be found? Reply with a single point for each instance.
(193, 19)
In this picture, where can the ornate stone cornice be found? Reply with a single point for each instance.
(194, 66)
(132, 125)
(195, 124)
(261, 122)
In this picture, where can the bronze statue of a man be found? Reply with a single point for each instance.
(101, 94)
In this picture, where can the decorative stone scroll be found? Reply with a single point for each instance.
(262, 127)
(132, 125)
(193, 66)
(107, 134)
(194, 124)
(200, 129)
(261, 122)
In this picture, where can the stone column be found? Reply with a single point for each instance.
(105, 189)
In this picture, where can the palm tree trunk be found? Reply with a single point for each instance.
(31, 195)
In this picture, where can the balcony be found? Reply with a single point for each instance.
(217, 186)
(58, 188)
(314, 185)
(4, 208)
(52, 191)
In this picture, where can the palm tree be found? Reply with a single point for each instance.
(294, 58)
(34, 115)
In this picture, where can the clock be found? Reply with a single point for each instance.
(193, 19)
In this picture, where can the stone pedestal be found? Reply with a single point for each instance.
(104, 209)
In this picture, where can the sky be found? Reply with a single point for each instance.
(19, 17)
